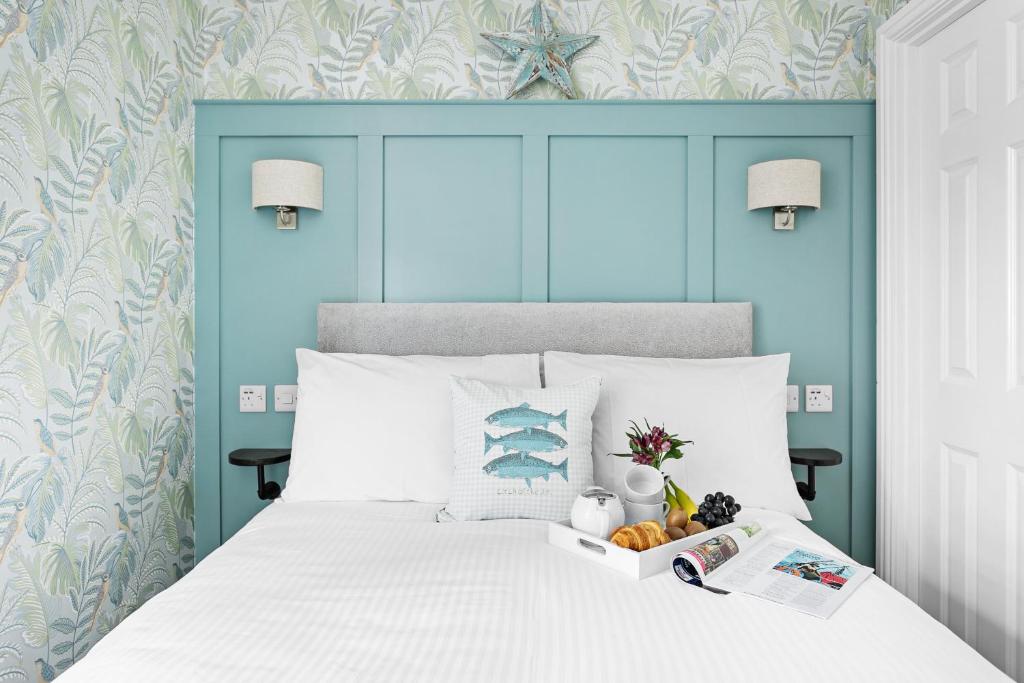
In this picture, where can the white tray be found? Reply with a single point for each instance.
(636, 565)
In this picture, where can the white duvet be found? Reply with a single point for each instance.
(378, 592)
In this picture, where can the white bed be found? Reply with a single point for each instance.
(380, 592)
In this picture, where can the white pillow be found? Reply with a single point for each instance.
(733, 409)
(371, 427)
(520, 453)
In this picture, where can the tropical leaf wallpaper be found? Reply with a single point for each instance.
(96, 226)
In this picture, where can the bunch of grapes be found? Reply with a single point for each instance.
(716, 509)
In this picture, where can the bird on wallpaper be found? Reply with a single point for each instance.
(17, 271)
(104, 588)
(863, 42)
(178, 60)
(691, 42)
(164, 100)
(316, 79)
(122, 116)
(111, 169)
(215, 49)
(160, 469)
(45, 200)
(122, 367)
(16, 22)
(122, 518)
(162, 288)
(179, 407)
(845, 48)
(474, 78)
(13, 528)
(100, 388)
(122, 318)
(789, 77)
(45, 438)
(102, 175)
(371, 51)
(179, 234)
(44, 672)
(632, 80)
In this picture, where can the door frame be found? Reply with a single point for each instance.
(898, 533)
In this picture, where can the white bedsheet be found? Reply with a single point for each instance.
(378, 592)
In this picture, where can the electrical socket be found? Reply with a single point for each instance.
(792, 398)
(818, 398)
(285, 397)
(252, 398)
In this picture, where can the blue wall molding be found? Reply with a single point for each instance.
(533, 201)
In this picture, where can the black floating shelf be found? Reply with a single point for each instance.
(260, 458)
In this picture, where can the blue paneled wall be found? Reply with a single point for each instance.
(527, 201)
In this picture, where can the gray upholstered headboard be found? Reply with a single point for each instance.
(668, 330)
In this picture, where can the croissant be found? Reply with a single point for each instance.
(640, 537)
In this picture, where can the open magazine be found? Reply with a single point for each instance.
(747, 559)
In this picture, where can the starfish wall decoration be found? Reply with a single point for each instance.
(541, 53)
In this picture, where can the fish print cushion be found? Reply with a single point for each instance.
(520, 453)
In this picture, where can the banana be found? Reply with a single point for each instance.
(685, 502)
(673, 502)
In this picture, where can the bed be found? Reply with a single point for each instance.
(379, 591)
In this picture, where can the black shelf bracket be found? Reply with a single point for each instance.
(266, 490)
(812, 458)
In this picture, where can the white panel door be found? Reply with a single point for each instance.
(971, 568)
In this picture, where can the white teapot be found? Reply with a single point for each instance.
(597, 512)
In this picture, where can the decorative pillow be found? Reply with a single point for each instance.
(372, 427)
(734, 410)
(520, 453)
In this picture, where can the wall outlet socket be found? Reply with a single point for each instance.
(792, 398)
(252, 398)
(285, 397)
(818, 398)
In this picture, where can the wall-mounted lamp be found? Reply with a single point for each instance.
(286, 185)
(784, 185)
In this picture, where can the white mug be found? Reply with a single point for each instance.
(641, 512)
(645, 484)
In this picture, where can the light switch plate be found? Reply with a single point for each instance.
(285, 397)
(792, 398)
(818, 398)
(252, 398)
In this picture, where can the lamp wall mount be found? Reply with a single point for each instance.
(287, 217)
(784, 217)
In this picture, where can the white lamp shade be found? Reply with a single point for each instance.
(285, 182)
(786, 182)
